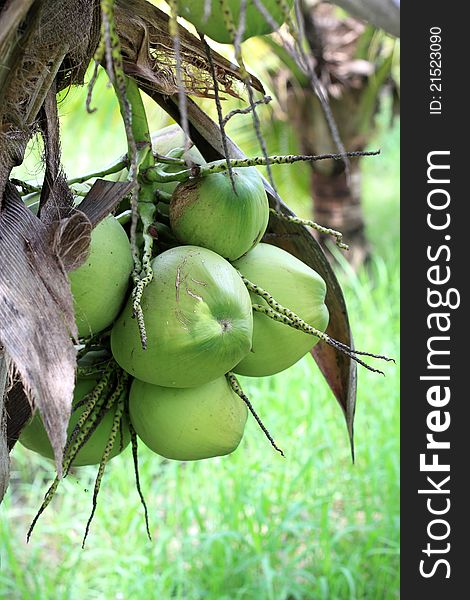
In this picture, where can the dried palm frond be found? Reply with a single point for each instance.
(149, 55)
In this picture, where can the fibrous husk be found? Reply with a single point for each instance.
(148, 54)
(49, 44)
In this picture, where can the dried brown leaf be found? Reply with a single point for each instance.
(103, 198)
(18, 410)
(149, 56)
(44, 46)
(36, 310)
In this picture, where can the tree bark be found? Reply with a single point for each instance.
(337, 204)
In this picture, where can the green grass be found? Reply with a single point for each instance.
(252, 525)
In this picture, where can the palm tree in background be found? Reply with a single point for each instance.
(353, 63)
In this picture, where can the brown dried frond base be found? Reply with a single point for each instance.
(148, 54)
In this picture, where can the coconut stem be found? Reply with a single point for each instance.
(114, 167)
(170, 159)
(236, 35)
(99, 368)
(147, 212)
(144, 208)
(139, 145)
(47, 500)
(162, 196)
(136, 127)
(308, 223)
(219, 166)
(302, 326)
(218, 105)
(159, 172)
(105, 458)
(159, 175)
(142, 159)
(90, 400)
(98, 403)
(135, 457)
(245, 111)
(182, 99)
(87, 424)
(236, 387)
(279, 313)
(89, 419)
(109, 51)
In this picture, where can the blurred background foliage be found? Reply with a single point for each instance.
(251, 525)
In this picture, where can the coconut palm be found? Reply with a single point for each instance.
(353, 63)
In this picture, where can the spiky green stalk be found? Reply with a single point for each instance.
(117, 423)
(308, 223)
(157, 174)
(98, 403)
(135, 457)
(236, 387)
(280, 313)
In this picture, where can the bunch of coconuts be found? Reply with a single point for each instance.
(203, 317)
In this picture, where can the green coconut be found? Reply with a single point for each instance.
(34, 436)
(296, 286)
(99, 286)
(189, 423)
(214, 26)
(198, 319)
(208, 211)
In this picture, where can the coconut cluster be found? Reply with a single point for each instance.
(199, 319)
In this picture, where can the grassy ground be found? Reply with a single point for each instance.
(250, 526)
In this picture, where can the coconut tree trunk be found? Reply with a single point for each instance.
(336, 198)
(337, 204)
(351, 76)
